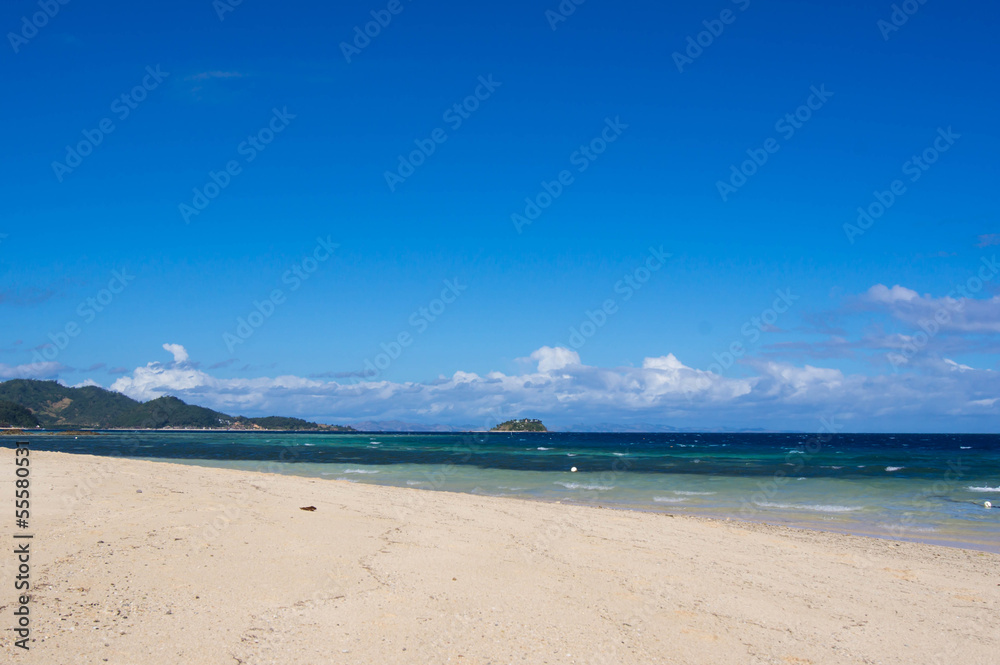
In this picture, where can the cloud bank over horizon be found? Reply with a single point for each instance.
(565, 392)
(783, 385)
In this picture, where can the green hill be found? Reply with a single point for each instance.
(170, 412)
(15, 415)
(522, 425)
(281, 422)
(56, 406)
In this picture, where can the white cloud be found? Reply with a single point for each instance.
(550, 359)
(948, 314)
(989, 403)
(85, 383)
(561, 384)
(43, 370)
(565, 391)
(958, 367)
(883, 294)
(179, 352)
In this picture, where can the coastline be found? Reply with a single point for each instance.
(16, 431)
(222, 564)
(954, 539)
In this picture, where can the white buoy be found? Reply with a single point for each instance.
(987, 504)
(573, 469)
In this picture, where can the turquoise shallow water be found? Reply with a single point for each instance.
(928, 488)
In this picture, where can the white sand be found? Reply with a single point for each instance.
(219, 566)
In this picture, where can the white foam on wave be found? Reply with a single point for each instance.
(813, 507)
(901, 528)
(984, 489)
(415, 482)
(359, 471)
(669, 499)
(687, 493)
(894, 468)
(541, 448)
(580, 486)
(965, 447)
(619, 454)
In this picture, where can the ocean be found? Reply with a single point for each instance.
(920, 487)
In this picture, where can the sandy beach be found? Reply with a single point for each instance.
(143, 562)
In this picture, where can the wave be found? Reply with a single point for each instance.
(686, 493)
(579, 486)
(415, 482)
(984, 489)
(965, 447)
(669, 499)
(813, 507)
(541, 448)
(894, 468)
(359, 471)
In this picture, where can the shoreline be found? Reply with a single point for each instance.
(803, 521)
(221, 564)
(709, 515)
(962, 534)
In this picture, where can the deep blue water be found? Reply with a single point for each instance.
(927, 487)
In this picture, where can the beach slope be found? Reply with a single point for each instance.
(143, 562)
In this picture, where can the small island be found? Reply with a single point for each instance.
(522, 425)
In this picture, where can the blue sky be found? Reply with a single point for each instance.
(838, 103)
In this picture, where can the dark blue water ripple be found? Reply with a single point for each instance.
(975, 457)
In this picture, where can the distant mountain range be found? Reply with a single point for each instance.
(29, 403)
(402, 426)
(651, 428)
